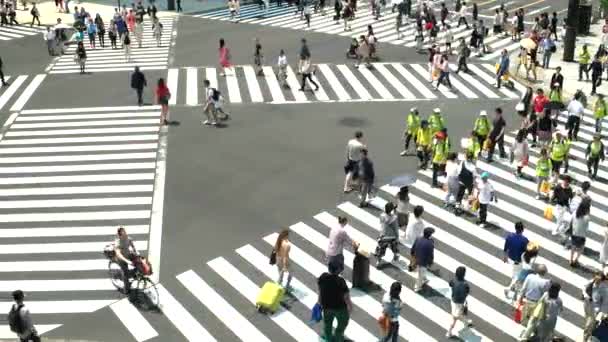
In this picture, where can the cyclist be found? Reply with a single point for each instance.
(125, 255)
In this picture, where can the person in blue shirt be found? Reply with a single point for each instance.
(515, 245)
(503, 67)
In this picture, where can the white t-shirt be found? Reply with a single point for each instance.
(576, 108)
(485, 191)
(452, 169)
(353, 149)
(282, 61)
(209, 93)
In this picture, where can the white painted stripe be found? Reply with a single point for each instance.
(82, 148)
(320, 94)
(181, 318)
(234, 93)
(424, 73)
(76, 216)
(156, 216)
(172, 77)
(101, 61)
(307, 296)
(192, 86)
(77, 178)
(83, 131)
(102, 67)
(419, 86)
(92, 123)
(63, 247)
(69, 231)
(475, 83)
(375, 83)
(28, 92)
(54, 265)
(76, 190)
(12, 89)
(518, 86)
(232, 319)
(394, 81)
(95, 139)
(76, 168)
(295, 86)
(60, 306)
(57, 285)
(84, 202)
(252, 84)
(80, 110)
(211, 76)
(538, 10)
(354, 82)
(83, 157)
(133, 320)
(5, 331)
(273, 85)
(417, 302)
(462, 88)
(283, 318)
(492, 80)
(127, 67)
(87, 116)
(336, 86)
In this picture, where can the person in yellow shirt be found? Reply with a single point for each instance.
(472, 145)
(559, 148)
(413, 123)
(594, 154)
(481, 128)
(436, 122)
(424, 139)
(441, 148)
(543, 170)
(599, 112)
(583, 63)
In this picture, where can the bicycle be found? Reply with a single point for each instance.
(143, 289)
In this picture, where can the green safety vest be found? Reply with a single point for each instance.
(474, 146)
(440, 151)
(436, 123)
(584, 57)
(482, 126)
(559, 150)
(413, 123)
(424, 136)
(596, 148)
(599, 111)
(543, 167)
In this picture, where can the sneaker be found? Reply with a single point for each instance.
(206, 122)
(537, 197)
(213, 123)
(404, 153)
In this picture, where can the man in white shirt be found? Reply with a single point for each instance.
(485, 195)
(575, 114)
(282, 65)
(353, 155)
(49, 36)
(210, 101)
(462, 16)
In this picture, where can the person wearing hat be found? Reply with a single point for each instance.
(594, 153)
(441, 148)
(423, 251)
(543, 171)
(413, 124)
(424, 139)
(485, 195)
(600, 109)
(481, 128)
(560, 146)
(436, 122)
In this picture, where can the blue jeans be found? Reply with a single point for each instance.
(393, 333)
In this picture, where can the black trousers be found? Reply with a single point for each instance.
(35, 18)
(583, 68)
(596, 81)
(483, 212)
(309, 77)
(592, 165)
(573, 124)
(462, 64)
(424, 157)
(140, 95)
(408, 138)
(501, 147)
(437, 169)
(126, 275)
(462, 20)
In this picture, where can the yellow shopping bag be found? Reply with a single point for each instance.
(475, 205)
(435, 73)
(549, 213)
(545, 187)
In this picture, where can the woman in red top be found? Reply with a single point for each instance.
(539, 102)
(224, 57)
(162, 98)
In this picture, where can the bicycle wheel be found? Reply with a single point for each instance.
(116, 275)
(146, 293)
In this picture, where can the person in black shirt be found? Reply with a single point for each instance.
(334, 298)
(596, 73)
(366, 177)
(497, 136)
(558, 78)
(138, 82)
(562, 195)
(553, 26)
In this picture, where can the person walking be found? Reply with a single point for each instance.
(413, 124)
(561, 198)
(462, 16)
(597, 69)
(466, 180)
(403, 207)
(138, 32)
(549, 49)
(481, 128)
(258, 57)
(4, 83)
(441, 148)
(92, 33)
(544, 167)
(307, 70)
(580, 226)
(543, 321)
(353, 155)
(304, 54)
(583, 63)
(20, 319)
(458, 301)
(515, 246)
(209, 108)
(157, 33)
(503, 67)
(497, 135)
(35, 14)
(389, 236)
(179, 6)
(600, 110)
(424, 140)
(594, 154)
(225, 57)
(282, 248)
(391, 308)
(162, 98)
(50, 38)
(81, 56)
(520, 152)
(101, 30)
(422, 254)
(112, 34)
(366, 177)
(335, 301)
(138, 82)
(12, 15)
(444, 72)
(485, 195)
(533, 288)
(126, 43)
(559, 153)
(282, 66)
(338, 239)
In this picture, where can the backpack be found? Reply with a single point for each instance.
(216, 94)
(465, 176)
(15, 320)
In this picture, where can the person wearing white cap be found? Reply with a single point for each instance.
(436, 122)
(482, 127)
(413, 123)
(485, 195)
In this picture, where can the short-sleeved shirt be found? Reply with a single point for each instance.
(338, 238)
(354, 148)
(497, 126)
(576, 108)
(332, 289)
(124, 246)
(515, 246)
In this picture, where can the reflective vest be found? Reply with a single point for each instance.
(596, 148)
(474, 147)
(543, 167)
(440, 151)
(599, 109)
(555, 96)
(413, 123)
(482, 126)
(436, 123)
(424, 136)
(584, 57)
(559, 150)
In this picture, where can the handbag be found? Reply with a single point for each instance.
(273, 257)
(384, 323)
(316, 314)
(475, 205)
(413, 264)
(548, 214)
(518, 313)
(520, 107)
(545, 187)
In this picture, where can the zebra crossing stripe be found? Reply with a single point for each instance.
(333, 80)
(426, 92)
(491, 80)
(12, 89)
(394, 82)
(462, 88)
(518, 86)
(172, 77)
(283, 318)
(133, 320)
(478, 85)
(85, 202)
(72, 190)
(273, 85)
(191, 88)
(61, 306)
(252, 83)
(57, 285)
(225, 312)
(354, 82)
(6, 333)
(382, 91)
(83, 131)
(320, 93)
(54, 141)
(234, 93)
(75, 216)
(81, 110)
(181, 318)
(81, 148)
(442, 89)
(66, 231)
(90, 123)
(295, 86)
(32, 118)
(28, 92)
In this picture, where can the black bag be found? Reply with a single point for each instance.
(15, 321)
(127, 40)
(465, 176)
(360, 271)
(553, 48)
(216, 94)
(273, 257)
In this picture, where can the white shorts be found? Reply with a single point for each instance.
(457, 309)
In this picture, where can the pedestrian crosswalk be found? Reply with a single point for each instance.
(10, 32)
(149, 57)
(384, 29)
(221, 292)
(19, 91)
(337, 83)
(68, 179)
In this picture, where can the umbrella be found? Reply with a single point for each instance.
(528, 43)
(403, 180)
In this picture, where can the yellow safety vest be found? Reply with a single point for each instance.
(596, 148)
(559, 150)
(599, 109)
(424, 136)
(584, 57)
(543, 167)
(482, 126)
(413, 123)
(440, 151)
(474, 147)
(436, 123)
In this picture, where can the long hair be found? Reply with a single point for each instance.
(395, 290)
(282, 237)
(404, 193)
(161, 82)
(583, 208)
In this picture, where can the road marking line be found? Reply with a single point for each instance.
(172, 77)
(334, 83)
(76, 190)
(408, 76)
(375, 83)
(28, 92)
(191, 86)
(252, 84)
(69, 231)
(394, 81)
(76, 216)
(354, 82)
(273, 85)
(12, 89)
(133, 320)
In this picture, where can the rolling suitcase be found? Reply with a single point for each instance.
(270, 297)
(361, 270)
